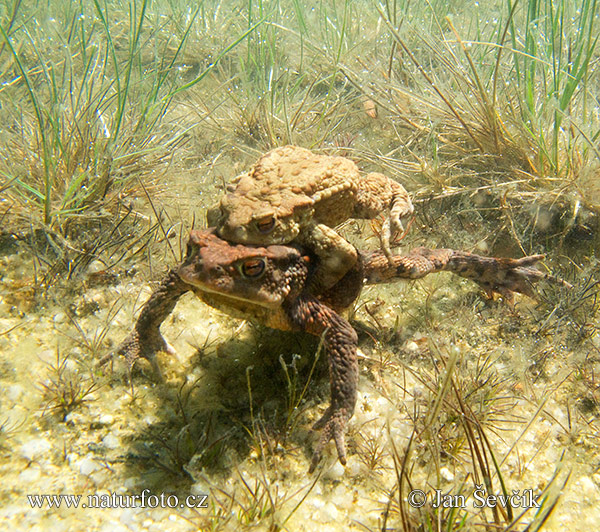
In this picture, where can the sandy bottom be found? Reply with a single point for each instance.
(519, 401)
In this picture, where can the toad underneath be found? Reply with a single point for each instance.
(267, 285)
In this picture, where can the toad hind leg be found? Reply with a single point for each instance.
(377, 193)
(502, 275)
(341, 341)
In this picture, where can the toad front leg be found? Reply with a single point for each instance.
(145, 340)
(341, 343)
(336, 256)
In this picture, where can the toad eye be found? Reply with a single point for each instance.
(266, 225)
(253, 268)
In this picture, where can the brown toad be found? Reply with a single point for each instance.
(294, 195)
(267, 285)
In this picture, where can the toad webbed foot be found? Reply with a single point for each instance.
(333, 427)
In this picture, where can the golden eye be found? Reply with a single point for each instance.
(253, 268)
(266, 225)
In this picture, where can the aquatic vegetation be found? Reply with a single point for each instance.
(88, 108)
(8, 428)
(79, 93)
(65, 388)
(516, 77)
(455, 409)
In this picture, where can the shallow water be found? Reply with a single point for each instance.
(232, 421)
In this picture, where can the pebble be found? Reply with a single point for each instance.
(130, 484)
(14, 392)
(343, 496)
(76, 418)
(446, 474)
(199, 488)
(317, 502)
(588, 489)
(47, 356)
(106, 419)
(31, 474)
(111, 442)
(327, 513)
(150, 419)
(336, 471)
(113, 526)
(127, 517)
(96, 266)
(88, 465)
(412, 347)
(60, 317)
(35, 448)
(482, 247)
(354, 468)
(382, 406)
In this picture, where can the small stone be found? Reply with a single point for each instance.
(88, 465)
(317, 503)
(14, 392)
(106, 419)
(111, 442)
(412, 347)
(96, 266)
(336, 471)
(127, 517)
(100, 477)
(30, 475)
(354, 468)
(328, 513)
(35, 448)
(343, 497)
(482, 247)
(588, 489)
(446, 474)
(381, 405)
(113, 526)
(150, 420)
(130, 484)
(60, 317)
(48, 356)
(75, 418)
(199, 488)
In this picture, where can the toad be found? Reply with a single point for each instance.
(292, 195)
(267, 285)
